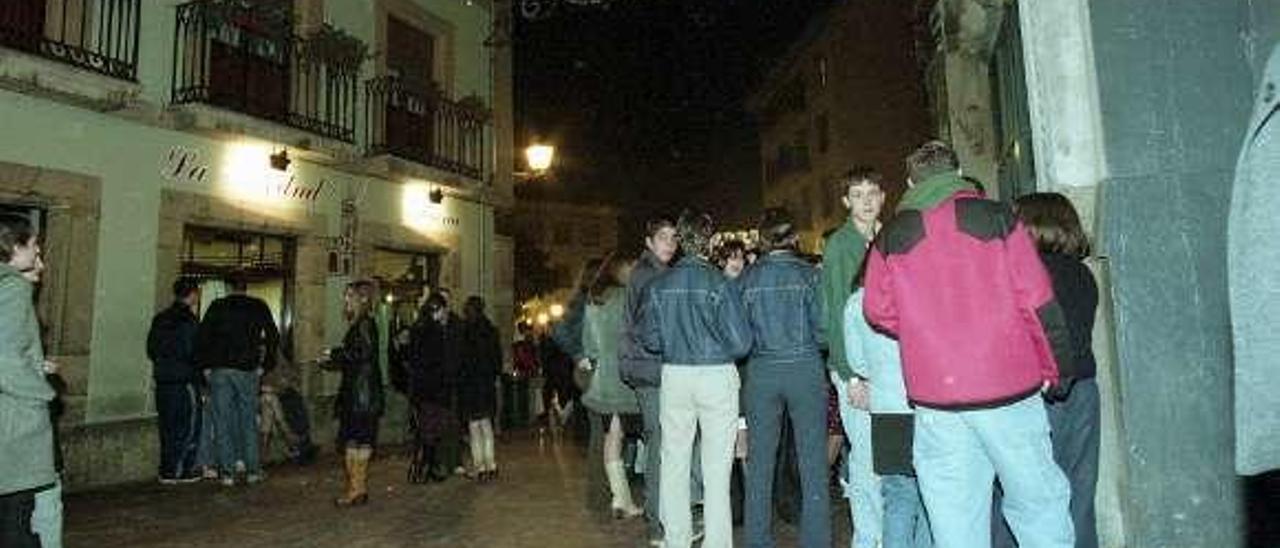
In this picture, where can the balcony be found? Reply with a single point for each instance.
(95, 35)
(245, 58)
(416, 123)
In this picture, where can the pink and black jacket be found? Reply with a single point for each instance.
(961, 286)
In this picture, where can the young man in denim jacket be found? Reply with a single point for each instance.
(783, 304)
(693, 319)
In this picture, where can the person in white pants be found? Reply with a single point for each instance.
(692, 317)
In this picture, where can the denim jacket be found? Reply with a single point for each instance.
(692, 316)
(783, 303)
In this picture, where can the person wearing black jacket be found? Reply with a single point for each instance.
(429, 391)
(237, 341)
(361, 399)
(641, 369)
(171, 349)
(477, 391)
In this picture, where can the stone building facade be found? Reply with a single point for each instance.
(153, 139)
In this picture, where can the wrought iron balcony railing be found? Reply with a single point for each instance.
(246, 58)
(415, 123)
(96, 35)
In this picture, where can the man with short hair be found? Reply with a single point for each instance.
(642, 369)
(957, 279)
(171, 348)
(862, 193)
(26, 431)
(236, 342)
(783, 305)
(694, 321)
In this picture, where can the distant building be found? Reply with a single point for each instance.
(831, 103)
(569, 233)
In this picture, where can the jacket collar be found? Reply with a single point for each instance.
(652, 260)
(787, 256)
(693, 261)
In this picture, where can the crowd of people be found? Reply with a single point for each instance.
(948, 343)
(943, 349)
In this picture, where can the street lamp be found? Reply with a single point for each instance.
(539, 157)
(557, 311)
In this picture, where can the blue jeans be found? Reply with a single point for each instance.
(862, 487)
(178, 416)
(776, 392)
(1076, 426)
(959, 454)
(235, 410)
(905, 523)
(46, 519)
(649, 409)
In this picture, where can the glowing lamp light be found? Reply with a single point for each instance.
(543, 318)
(557, 311)
(539, 157)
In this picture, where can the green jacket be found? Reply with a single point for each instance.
(601, 334)
(26, 432)
(841, 258)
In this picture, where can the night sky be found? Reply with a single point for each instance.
(644, 98)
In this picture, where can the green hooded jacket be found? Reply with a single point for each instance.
(841, 259)
(26, 432)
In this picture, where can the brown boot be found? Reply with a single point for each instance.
(356, 492)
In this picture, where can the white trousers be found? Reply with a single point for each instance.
(698, 400)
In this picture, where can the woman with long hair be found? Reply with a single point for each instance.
(1074, 416)
(611, 401)
(360, 396)
(477, 385)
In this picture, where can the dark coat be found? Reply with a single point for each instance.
(429, 365)
(171, 345)
(427, 371)
(361, 392)
(237, 332)
(481, 356)
(639, 367)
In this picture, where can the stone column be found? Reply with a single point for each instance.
(1062, 97)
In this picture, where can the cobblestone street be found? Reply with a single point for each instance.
(537, 502)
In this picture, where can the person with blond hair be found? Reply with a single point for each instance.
(360, 399)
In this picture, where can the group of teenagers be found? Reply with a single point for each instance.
(957, 336)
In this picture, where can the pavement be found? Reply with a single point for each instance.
(538, 501)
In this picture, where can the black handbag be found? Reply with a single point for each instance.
(891, 435)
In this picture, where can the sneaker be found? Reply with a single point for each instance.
(209, 473)
(189, 477)
(255, 478)
(165, 480)
(227, 481)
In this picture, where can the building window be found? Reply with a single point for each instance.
(562, 234)
(823, 128)
(589, 235)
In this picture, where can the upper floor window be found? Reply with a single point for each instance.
(410, 53)
(822, 126)
(96, 35)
